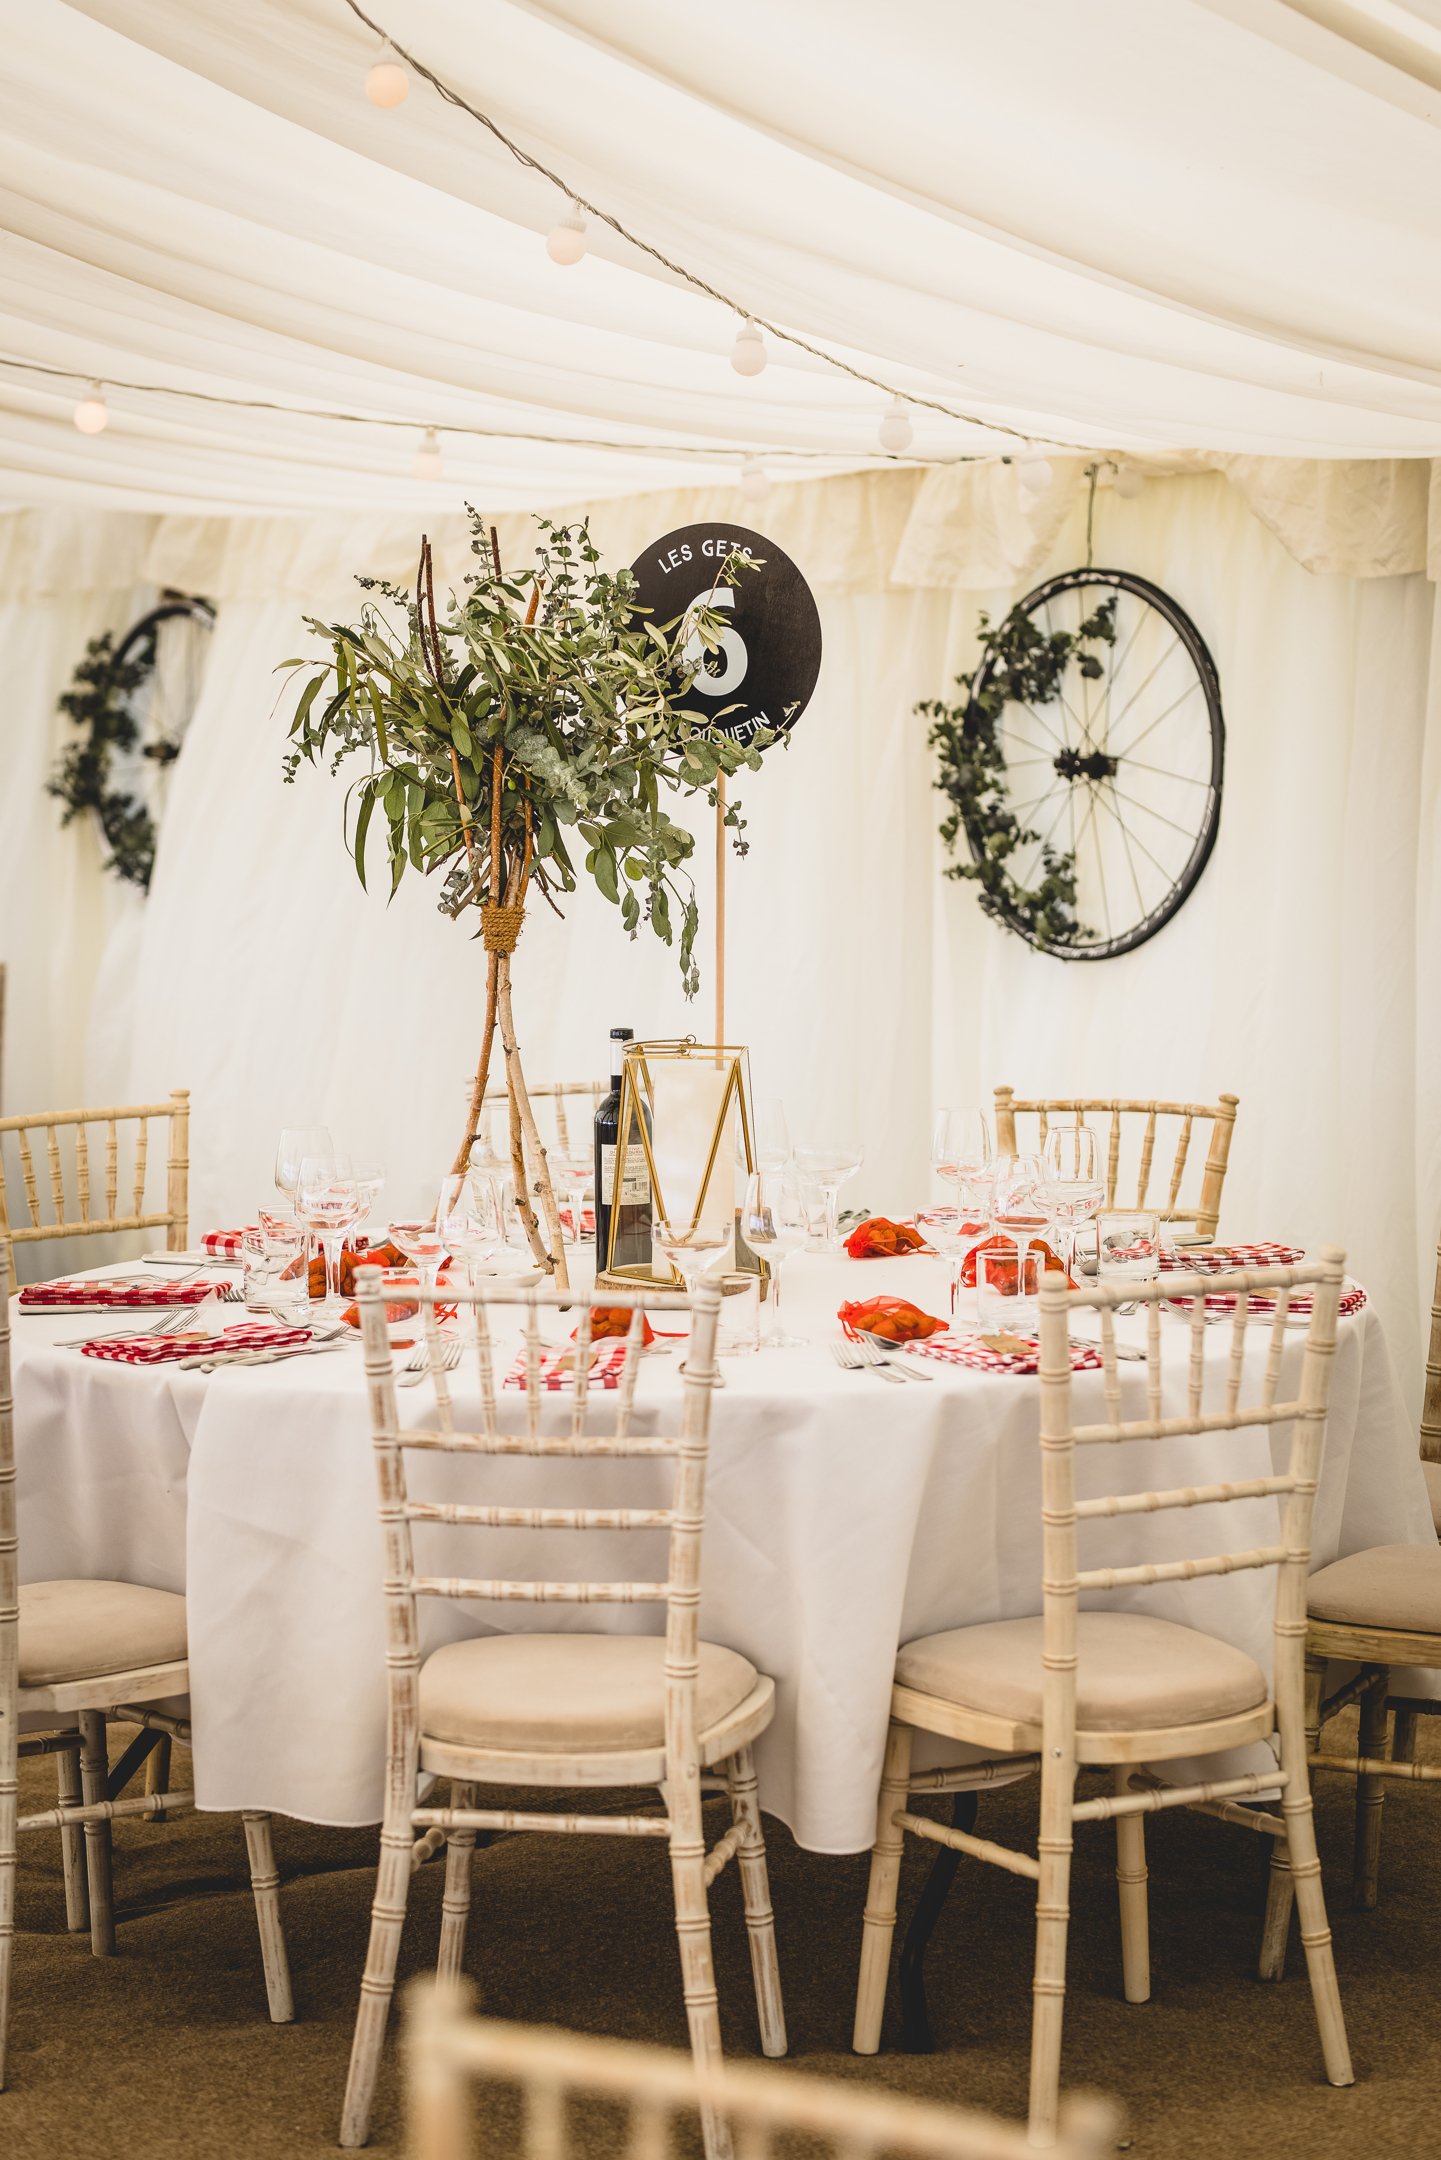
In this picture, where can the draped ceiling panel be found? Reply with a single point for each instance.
(1149, 225)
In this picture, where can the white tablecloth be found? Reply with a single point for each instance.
(845, 1516)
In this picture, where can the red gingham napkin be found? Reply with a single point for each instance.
(1352, 1300)
(587, 1222)
(72, 1292)
(604, 1373)
(970, 1350)
(160, 1349)
(224, 1244)
(1220, 1259)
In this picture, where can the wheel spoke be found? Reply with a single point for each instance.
(1137, 804)
(1165, 873)
(1147, 680)
(1189, 691)
(1186, 779)
(1020, 810)
(1130, 858)
(1100, 862)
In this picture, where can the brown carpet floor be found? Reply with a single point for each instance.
(165, 2049)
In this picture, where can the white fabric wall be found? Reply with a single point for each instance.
(866, 984)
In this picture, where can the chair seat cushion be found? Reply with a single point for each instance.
(566, 1694)
(1431, 1471)
(79, 1630)
(1134, 1672)
(1387, 1586)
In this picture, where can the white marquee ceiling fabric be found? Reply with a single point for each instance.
(1149, 225)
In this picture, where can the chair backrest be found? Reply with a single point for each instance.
(69, 1206)
(656, 2090)
(1431, 1402)
(573, 1106)
(1133, 1132)
(1147, 1416)
(544, 1398)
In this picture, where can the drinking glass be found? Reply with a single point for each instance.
(1018, 1209)
(274, 1270)
(738, 1330)
(414, 1229)
(692, 1248)
(953, 1232)
(828, 1161)
(466, 1222)
(960, 1146)
(1128, 1245)
(772, 1133)
(773, 1224)
(574, 1167)
(1008, 1285)
(1071, 1188)
(327, 1200)
(296, 1142)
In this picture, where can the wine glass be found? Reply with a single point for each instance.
(327, 1200)
(828, 1160)
(296, 1142)
(772, 1133)
(960, 1146)
(574, 1167)
(413, 1229)
(1019, 1209)
(466, 1222)
(773, 1224)
(693, 1250)
(1072, 1189)
(954, 1232)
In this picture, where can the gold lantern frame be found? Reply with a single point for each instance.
(637, 1111)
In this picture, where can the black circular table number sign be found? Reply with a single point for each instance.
(770, 651)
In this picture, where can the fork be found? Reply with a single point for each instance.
(175, 1322)
(420, 1365)
(853, 1357)
(877, 1351)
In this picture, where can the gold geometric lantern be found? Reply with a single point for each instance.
(683, 1153)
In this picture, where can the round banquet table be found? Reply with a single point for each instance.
(844, 1516)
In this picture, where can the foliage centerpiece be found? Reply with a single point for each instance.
(1023, 664)
(523, 736)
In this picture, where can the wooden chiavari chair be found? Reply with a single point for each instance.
(1103, 1687)
(1377, 1609)
(87, 1651)
(447, 2053)
(23, 1220)
(566, 1708)
(1157, 1122)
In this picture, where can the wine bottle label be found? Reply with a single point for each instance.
(635, 1178)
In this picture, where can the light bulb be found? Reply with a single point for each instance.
(748, 354)
(896, 430)
(388, 84)
(427, 464)
(1129, 482)
(565, 242)
(754, 483)
(1035, 474)
(91, 414)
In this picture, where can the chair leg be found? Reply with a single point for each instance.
(157, 1771)
(697, 1965)
(1403, 1736)
(455, 1905)
(1305, 1872)
(72, 1843)
(1370, 1796)
(740, 1776)
(1053, 1919)
(1131, 1892)
(377, 1982)
(265, 1883)
(1280, 1897)
(9, 1839)
(880, 1913)
(94, 1779)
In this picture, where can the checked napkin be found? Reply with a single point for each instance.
(1220, 1259)
(224, 1244)
(604, 1372)
(160, 1349)
(125, 1295)
(970, 1350)
(1352, 1300)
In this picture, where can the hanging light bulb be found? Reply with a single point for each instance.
(427, 464)
(388, 84)
(896, 430)
(748, 354)
(1129, 482)
(91, 414)
(754, 483)
(1035, 474)
(565, 242)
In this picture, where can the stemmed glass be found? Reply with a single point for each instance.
(692, 1248)
(574, 1168)
(327, 1200)
(466, 1222)
(414, 1229)
(960, 1146)
(296, 1142)
(1071, 1189)
(1019, 1209)
(956, 1231)
(828, 1161)
(773, 1224)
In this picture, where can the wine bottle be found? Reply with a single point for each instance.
(629, 1192)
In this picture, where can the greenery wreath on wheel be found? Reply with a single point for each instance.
(1019, 662)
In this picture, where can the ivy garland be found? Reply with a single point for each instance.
(99, 703)
(1019, 663)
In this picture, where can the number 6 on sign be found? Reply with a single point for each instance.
(732, 653)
